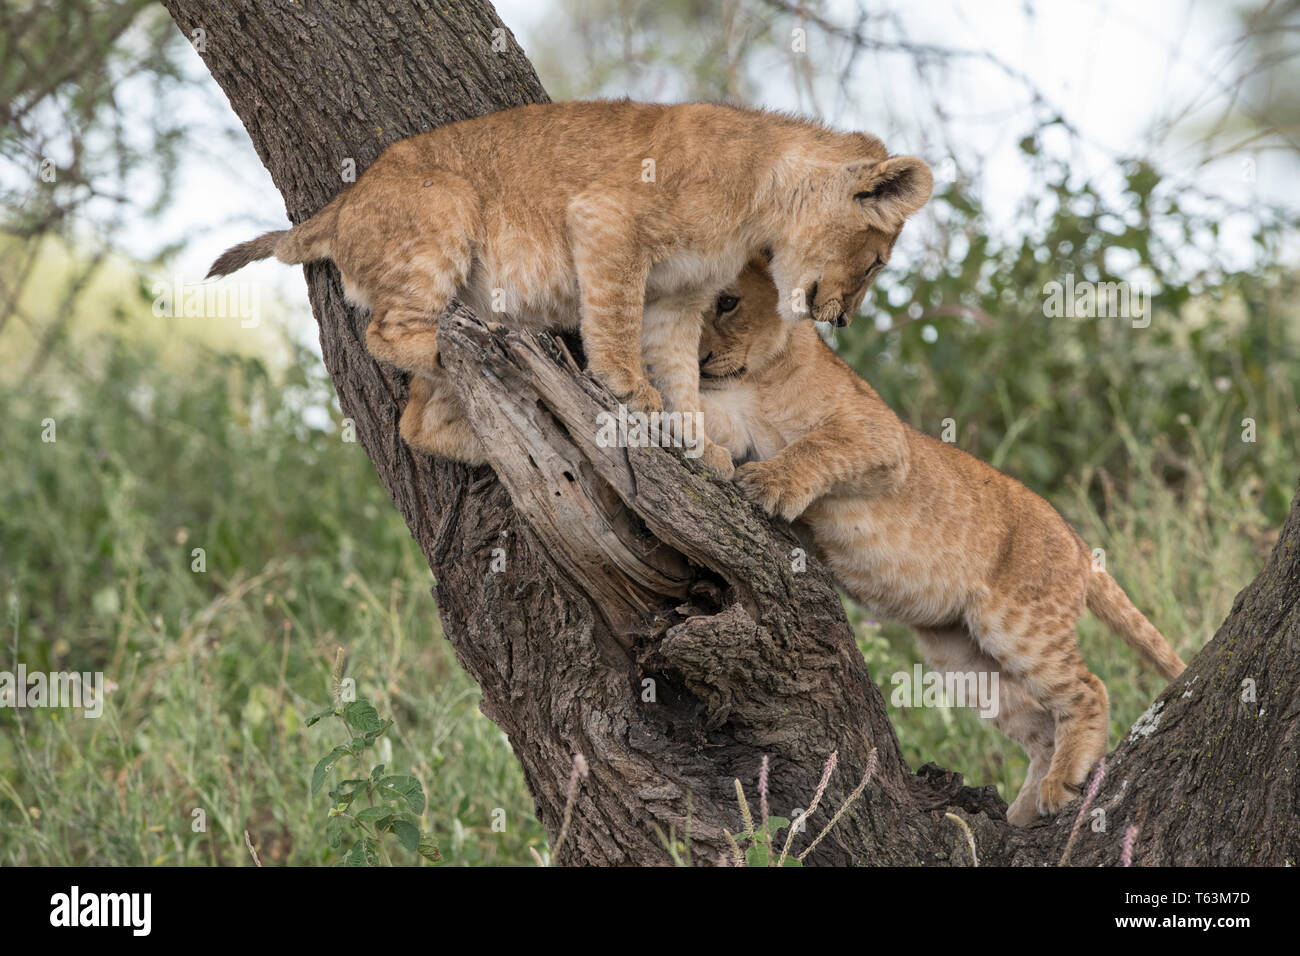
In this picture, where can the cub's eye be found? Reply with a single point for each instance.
(727, 303)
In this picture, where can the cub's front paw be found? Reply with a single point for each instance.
(635, 392)
(772, 490)
(717, 459)
(644, 397)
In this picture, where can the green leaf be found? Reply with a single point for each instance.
(365, 852)
(378, 816)
(318, 716)
(336, 829)
(362, 715)
(757, 855)
(428, 848)
(324, 766)
(399, 787)
(406, 834)
(372, 851)
(347, 790)
(372, 735)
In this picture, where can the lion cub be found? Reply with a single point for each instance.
(634, 216)
(988, 574)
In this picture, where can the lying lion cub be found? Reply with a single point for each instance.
(634, 215)
(989, 575)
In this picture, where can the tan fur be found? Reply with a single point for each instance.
(538, 212)
(434, 421)
(989, 575)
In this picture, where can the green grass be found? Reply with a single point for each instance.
(216, 670)
(304, 553)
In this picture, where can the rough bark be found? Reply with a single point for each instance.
(622, 565)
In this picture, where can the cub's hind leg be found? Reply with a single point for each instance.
(406, 254)
(1012, 708)
(404, 337)
(434, 421)
(1029, 724)
(1041, 654)
(1082, 710)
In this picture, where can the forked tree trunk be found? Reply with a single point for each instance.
(581, 573)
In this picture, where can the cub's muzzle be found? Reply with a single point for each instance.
(832, 310)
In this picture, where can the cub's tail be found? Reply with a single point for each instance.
(305, 242)
(1107, 600)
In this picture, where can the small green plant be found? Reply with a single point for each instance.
(761, 849)
(760, 839)
(393, 803)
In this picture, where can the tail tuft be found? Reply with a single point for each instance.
(1107, 600)
(305, 242)
(236, 257)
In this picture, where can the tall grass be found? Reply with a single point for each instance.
(303, 553)
(214, 669)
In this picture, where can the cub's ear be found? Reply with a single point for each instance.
(891, 190)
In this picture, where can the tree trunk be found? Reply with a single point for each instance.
(620, 604)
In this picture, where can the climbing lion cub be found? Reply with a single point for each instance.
(634, 216)
(988, 574)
